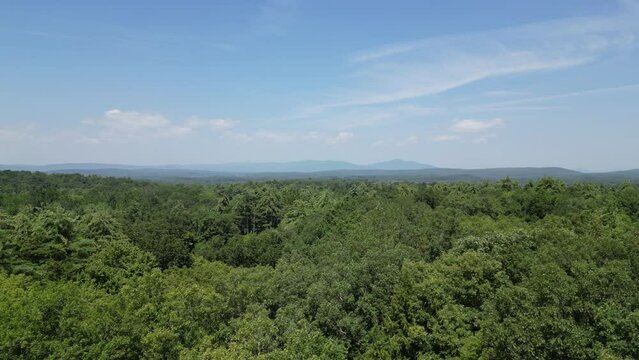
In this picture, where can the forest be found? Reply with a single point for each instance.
(106, 268)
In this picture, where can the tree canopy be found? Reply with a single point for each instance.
(106, 268)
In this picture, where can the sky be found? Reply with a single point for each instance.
(468, 84)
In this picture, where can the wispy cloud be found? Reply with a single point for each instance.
(473, 125)
(367, 116)
(545, 98)
(213, 124)
(482, 139)
(274, 16)
(108, 35)
(44, 34)
(414, 69)
(410, 140)
(282, 137)
(446, 138)
(378, 143)
(588, 33)
(502, 93)
(342, 136)
(397, 142)
(17, 133)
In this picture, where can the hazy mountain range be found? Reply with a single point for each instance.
(393, 170)
(237, 167)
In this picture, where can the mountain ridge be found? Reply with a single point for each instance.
(241, 167)
(391, 170)
(522, 174)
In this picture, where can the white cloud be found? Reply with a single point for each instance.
(470, 131)
(464, 139)
(128, 120)
(378, 143)
(238, 137)
(17, 133)
(447, 138)
(281, 137)
(213, 124)
(408, 141)
(430, 66)
(87, 140)
(123, 125)
(174, 131)
(472, 125)
(276, 136)
(341, 137)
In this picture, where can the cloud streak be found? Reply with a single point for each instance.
(545, 98)
(415, 69)
(287, 137)
(473, 126)
(274, 16)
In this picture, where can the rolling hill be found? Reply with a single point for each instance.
(394, 170)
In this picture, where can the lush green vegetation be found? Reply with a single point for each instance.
(103, 268)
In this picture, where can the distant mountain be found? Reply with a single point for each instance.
(68, 166)
(306, 166)
(397, 164)
(293, 166)
(393, 170)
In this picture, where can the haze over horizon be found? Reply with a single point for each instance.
(278, 166)
(463, 85)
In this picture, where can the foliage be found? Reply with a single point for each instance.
(104, 268)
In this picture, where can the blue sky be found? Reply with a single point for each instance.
(450, 83)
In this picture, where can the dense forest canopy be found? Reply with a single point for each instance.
(105, 268)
